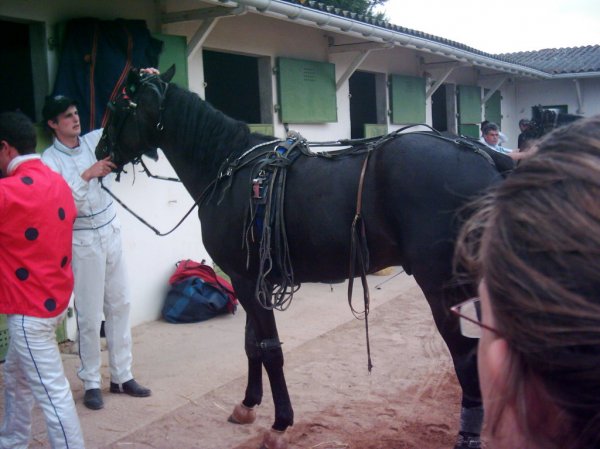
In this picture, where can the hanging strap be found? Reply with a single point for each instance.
(359, 251)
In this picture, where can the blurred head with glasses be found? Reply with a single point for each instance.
(534, 247)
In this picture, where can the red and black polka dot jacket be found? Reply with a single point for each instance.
(38, 211)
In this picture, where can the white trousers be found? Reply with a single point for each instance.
(101, 289)
(33, 371)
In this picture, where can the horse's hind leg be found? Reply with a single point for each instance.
(463, 351)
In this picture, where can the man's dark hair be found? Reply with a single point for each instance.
(524, 122)
(491, 126)
(16, 128)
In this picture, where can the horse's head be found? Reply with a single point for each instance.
(135, 118)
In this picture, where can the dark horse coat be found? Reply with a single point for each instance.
(414, 185)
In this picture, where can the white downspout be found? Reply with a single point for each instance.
(579, 96)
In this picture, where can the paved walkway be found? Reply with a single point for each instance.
(183, 362)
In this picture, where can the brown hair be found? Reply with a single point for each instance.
(535, 239)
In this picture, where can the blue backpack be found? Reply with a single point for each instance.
(197, 293)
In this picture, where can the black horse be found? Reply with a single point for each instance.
(406, 187)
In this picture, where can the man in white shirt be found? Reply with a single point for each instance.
(491, 138)
(101, 286)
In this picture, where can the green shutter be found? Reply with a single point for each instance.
(174, 52)
(469, 110)
(262, 128)
(306, 91)
(492, 108)
(407, 99)
(374, 130)
(43, 137)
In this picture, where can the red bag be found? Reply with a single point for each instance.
(188, 268)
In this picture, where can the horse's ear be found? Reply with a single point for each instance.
(169, 74)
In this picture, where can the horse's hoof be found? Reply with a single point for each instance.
(275, 439)
(242, 415)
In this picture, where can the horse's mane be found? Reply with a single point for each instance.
(201, 130)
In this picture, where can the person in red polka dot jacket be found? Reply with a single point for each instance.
(36, 282)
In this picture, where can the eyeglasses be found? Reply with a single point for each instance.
(469, 312)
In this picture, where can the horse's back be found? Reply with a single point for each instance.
(413, 187)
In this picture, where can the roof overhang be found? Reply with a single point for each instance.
(367, 32)
(373, 33)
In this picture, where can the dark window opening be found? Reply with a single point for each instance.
(232, 85)
(439, 115)
(16, 80)
(363, 102)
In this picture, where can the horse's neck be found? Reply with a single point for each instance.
(197, 139)
(191, 175)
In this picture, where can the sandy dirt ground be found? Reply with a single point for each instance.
(410, 400)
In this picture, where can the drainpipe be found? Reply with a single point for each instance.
(579, 96)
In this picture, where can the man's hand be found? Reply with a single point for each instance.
(150, 71)
(99, 169)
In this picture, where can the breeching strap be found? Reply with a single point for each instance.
(359, 251)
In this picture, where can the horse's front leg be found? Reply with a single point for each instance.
(263, 348)
(267, 352)
(272, 357)
(244, 413)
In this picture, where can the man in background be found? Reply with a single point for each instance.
(491, 138)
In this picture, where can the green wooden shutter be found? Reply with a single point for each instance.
(44, 137)
(493, 109)
(306, 91)
(262, 128)
(407, 99)
(375, 130)
(174, 52)
(469, 110)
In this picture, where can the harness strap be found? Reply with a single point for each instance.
(198, 202)
(359, 250)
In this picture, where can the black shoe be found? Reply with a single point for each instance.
(92, 399)
(132, 388)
